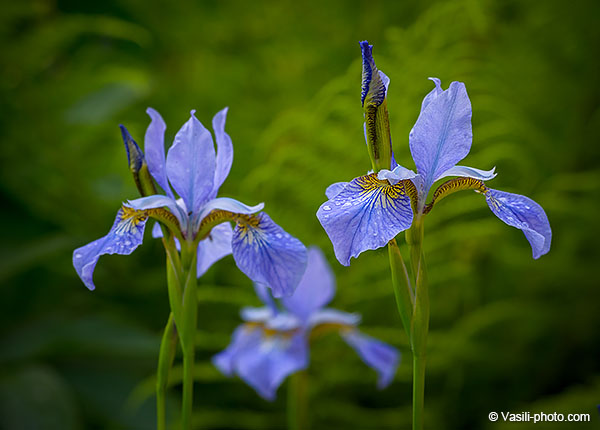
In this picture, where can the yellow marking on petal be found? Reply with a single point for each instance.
(131, 218)
(218, 216)
(454, 185)
(269, 332)
(370, 183)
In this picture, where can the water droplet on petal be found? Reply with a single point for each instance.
(78, 255)
(326, 208)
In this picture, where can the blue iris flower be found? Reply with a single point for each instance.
(274, 342)
(369, 211)
(194, 171)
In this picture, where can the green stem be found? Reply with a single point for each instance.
(418, 392)
(420, 320)
(402, 286)
(166, 356)
(188, 331)
(298, 401)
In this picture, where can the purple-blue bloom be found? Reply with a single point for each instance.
(190, 175)
(274, 343)
(367, 212)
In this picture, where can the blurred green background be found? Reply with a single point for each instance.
(507, 333)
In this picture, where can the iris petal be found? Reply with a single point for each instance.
(442, 135)
(125, 235)
(367, 214)
(469, 172)
(159, 201)
(396, 175)
(224, 150)
(191, 164)
(216, 246)
(263, 362)
(267, 365)
(525, 214)
(268, 255)
(332, 316)
(229, 205)
(316, 288)
(154, 144)
(334, 189)
(376, 354)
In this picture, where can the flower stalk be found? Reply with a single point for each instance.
(297, 408)
(166, 356)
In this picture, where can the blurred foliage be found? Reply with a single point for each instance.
(507, 333)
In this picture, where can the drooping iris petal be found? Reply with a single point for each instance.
(191, 164)
(125, 235)
(442, 134)
(268, 255)
(224, 149)
(374, 82)
(334, 189)
(316, 288)
(330, 316)
(376, 354)
(244, 337)
(367, 214)
(216, 246)
(159, 201)
(525, 214)
(263, 361)
(154, 144)
(266, 366)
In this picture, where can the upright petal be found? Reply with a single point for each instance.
(442, 134)
(224, 150)
(154, 144)
(125, 235)
(437, 90)
(380, 356)
(367, 214)
(316, 288)
(216, 246)
(267, 254)
(525, 214)
(191, 164)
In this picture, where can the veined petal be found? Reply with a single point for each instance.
(442, 134)
(154, 144)
(125, 235)
(367, 214)
(378, 355)
(334, 189)
(374, 82)
(191, 164)
(216, 246)
(224, 150)
(316, 288)
(263, 361)
(229, 205)
(159, 201)
(267, 254)
(469, 172)
(525, 214)
(396, 175)
(332, 317)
